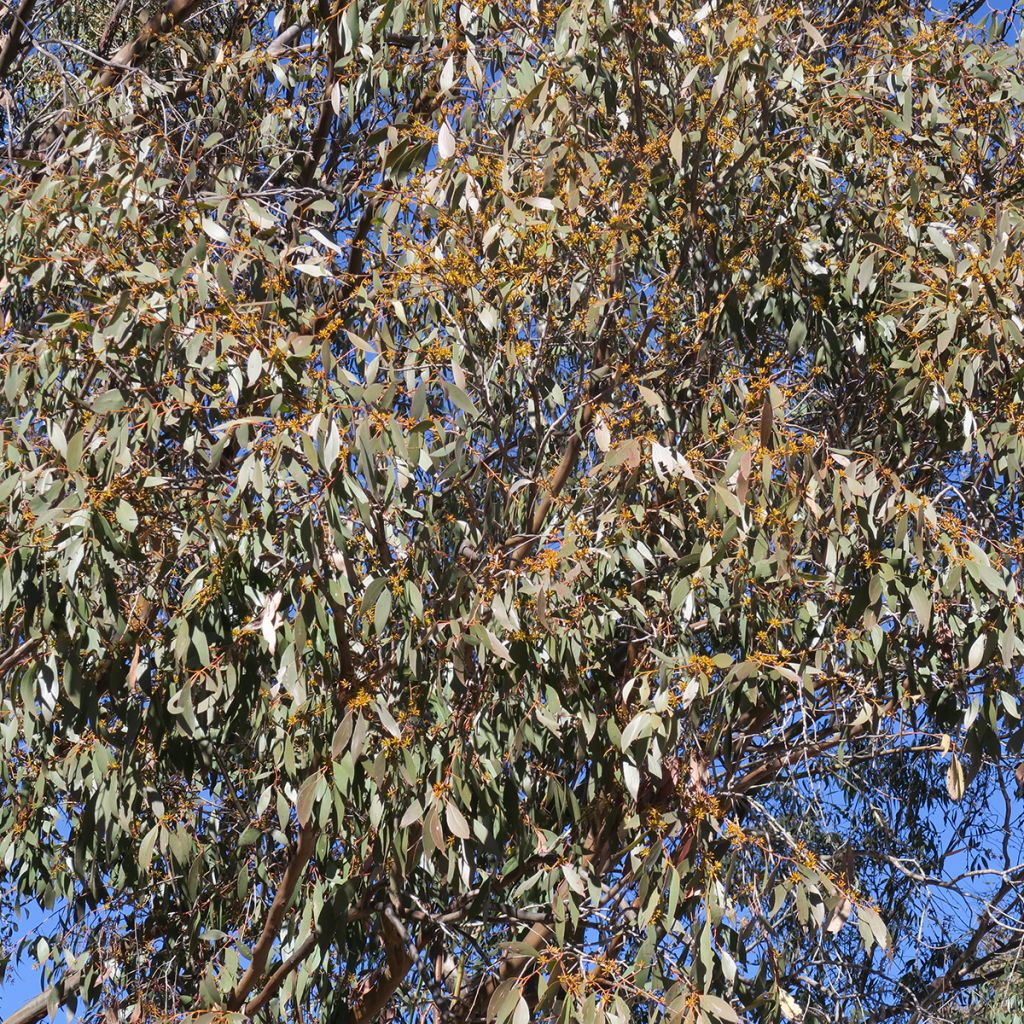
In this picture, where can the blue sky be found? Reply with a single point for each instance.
(22, 982)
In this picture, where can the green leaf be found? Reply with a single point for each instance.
(719, 1008)
(387, 720)
(921, 602)
(445, 142)
(215, 230)
(304, 799)
(382, 610)
(789, 1007)
(503, 1000)
(675, 145)
(146, 848)
(976, 655)
(573, 879)
(876, 928)
(461, 400)
(640, 725)
(457, 824)
(126, 516)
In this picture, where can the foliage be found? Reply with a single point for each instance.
(511, 510)
(999, 1000)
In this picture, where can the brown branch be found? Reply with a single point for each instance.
(132, 52)
(276, 980)
(318, 141)
(399, 958)
(770, 765)
(272, 926)
(125, 59)
(540, 935)
(956, 977)
(595, 392)
(963, 964)
(16, 656)
(12, 42)
(111, 26)
(600, 387)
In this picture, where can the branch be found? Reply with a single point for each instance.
(111, 27)
(299, 954)
(11, 43)
(602, 382)
(261, 951)
(16, 656)
(283, 40)
(132, 52)
(956, 977)
(277, 978)
(400, 956)
(769, 769)
(38, 1008)
(512, 965)
(125, 59)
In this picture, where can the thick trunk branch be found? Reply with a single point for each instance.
(513, 965)
(37, 1009)
(400, 956)
(132, 52)
(261, 951)
(277, 979)
(12, 42)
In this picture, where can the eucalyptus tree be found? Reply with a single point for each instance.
(512, 511)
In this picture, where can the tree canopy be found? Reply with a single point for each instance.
(512, 511)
